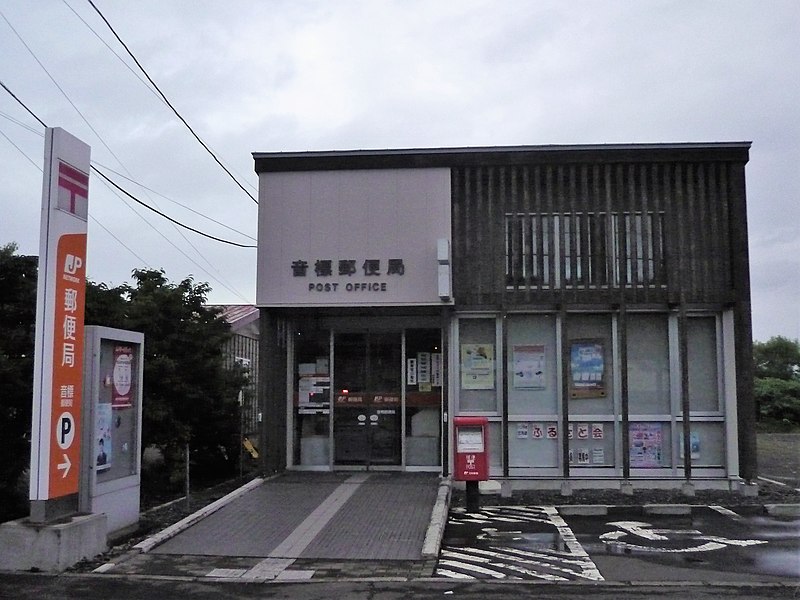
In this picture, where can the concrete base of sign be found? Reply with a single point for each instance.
(118, 500)
(747, 488)
(566, 488)
(53, 547)
(687, 489)
(626, 487)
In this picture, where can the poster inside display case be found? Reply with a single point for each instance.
(477, 366)
(646, 445)
(587, 369)
(529, 366)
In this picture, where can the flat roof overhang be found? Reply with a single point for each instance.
(420, 158)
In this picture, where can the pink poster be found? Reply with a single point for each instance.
(122, 377)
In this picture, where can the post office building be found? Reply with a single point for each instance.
(592, 302)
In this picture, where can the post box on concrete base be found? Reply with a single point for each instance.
(471, 455)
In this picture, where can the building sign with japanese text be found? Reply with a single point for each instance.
(370, 277)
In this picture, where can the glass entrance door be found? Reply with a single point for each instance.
(367, 415)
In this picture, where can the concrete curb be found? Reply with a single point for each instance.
(441, 509)
(667, 509)
(783, 510)
(583, 510)
(174, 529)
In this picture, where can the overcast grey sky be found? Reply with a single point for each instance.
(299, 75)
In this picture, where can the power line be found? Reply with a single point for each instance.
(121, 243)
(94, 219)
(131, 196)
(167, 217)
(127, 66)
(60, 89)
(189, 208)
(21, 124)
(177, 114)
(21, 102)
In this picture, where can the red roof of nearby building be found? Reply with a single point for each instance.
(239, 315)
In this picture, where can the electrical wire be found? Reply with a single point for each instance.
(21, 124)
(167, 217)
(174, 222)
(85, 120)
(174, 110)
(21, 103)
(92, 217)
(106, 44)
(189, 208)
(121, 243)
(124, 191)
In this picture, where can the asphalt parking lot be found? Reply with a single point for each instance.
(628, 544)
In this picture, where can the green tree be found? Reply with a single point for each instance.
(779, 357)
(189, 395)
(776, 387)
(778, 400)
(17, 324)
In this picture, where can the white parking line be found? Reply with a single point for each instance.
(727, 512)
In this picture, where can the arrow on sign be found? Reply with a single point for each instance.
(65, 466)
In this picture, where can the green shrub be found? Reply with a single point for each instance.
(778, 399)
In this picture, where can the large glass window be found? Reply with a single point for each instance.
(532, 367)
(702, 359)
(424, 377)
(312, 397)
(648, 364)
(477, 365)
(590, 353)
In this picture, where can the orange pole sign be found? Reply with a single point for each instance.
(60, 305)
(67, 365)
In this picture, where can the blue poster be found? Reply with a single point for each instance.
(102, 437)
(587, 369)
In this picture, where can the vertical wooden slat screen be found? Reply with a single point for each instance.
(715, 264)
(491, 254)
(704, 240)
(690, 226)
(673, 179)
(579, 232)
(658, 230)
(526, 209)
(479, 243)
(725, 229)
(647, 233)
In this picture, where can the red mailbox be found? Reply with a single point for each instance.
(471, 448)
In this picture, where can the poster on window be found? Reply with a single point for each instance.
(528, 367)
(477, 366)
(694, 445)
(436, 369)
(646, 445)
(122, 377)
(102, 436)
(423, 367)
(587, 369)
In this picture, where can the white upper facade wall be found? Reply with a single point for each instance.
(356, 215)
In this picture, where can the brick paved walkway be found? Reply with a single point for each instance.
(346, 516)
